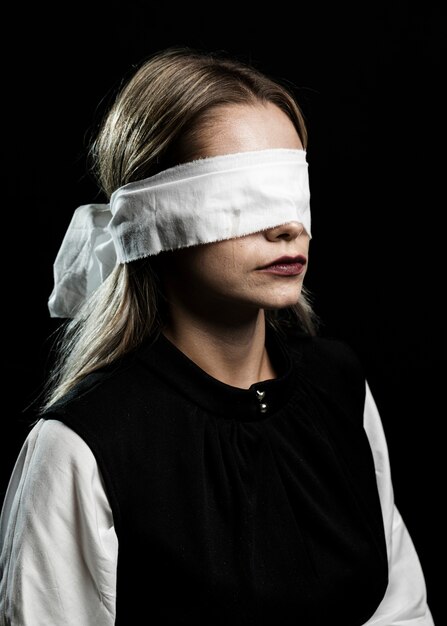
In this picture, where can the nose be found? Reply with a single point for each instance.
(287, 232)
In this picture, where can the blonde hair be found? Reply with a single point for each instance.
(154, 123)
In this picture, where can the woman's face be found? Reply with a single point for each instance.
(237, 275)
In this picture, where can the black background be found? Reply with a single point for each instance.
(370, 82)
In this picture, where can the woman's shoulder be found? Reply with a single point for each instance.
(108, 388)
(330, 363)
(323, 349)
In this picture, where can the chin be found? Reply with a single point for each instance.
(283, 300)
(280, 303)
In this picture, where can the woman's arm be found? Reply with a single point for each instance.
(405, 601)
(58, 546)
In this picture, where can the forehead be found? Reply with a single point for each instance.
(245, 127)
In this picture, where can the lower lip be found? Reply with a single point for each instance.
(286, 269)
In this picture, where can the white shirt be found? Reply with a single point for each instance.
(59, 549)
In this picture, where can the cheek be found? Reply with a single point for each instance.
(223, 257)
(218, 271)
(201, 270)
(221, 265)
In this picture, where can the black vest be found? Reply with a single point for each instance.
(237, 507)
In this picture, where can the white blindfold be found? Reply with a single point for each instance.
(203, 201)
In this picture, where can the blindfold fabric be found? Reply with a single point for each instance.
(202, 201)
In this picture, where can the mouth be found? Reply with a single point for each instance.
(285, 266)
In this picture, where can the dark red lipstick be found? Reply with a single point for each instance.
(285, 266)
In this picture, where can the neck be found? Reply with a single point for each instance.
(234, 354)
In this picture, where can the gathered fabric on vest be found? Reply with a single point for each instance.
(254, 507)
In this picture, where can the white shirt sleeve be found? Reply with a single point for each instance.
(58, 546)
(405, 601)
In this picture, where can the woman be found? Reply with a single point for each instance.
(203, 456)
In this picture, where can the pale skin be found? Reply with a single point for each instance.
(217, 293)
